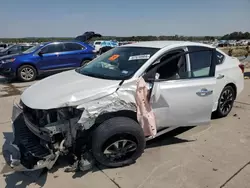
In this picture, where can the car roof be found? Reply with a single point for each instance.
(163, 44)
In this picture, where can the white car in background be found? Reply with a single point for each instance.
(97, 45)
(94, 109)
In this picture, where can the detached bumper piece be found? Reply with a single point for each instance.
(26, 153)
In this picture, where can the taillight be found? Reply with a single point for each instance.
(242, 67)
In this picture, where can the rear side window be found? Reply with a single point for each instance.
(220, 57)
(24, 48)
(200, 61)
(73, 47)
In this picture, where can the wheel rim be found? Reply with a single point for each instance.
(226, 101)
(120, 150)
(27, 73)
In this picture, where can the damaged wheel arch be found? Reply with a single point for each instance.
(106, 116)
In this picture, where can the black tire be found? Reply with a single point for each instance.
(230, 94)
(86, 61)
(26, 73)
(118, 129)
(100, 51)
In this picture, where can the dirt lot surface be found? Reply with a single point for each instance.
(202, 157)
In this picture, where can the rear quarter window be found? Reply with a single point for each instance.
(220, 57)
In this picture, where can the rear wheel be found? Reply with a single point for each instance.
(226, 101)
(26, 73)
(118, 142)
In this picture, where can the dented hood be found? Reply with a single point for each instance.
(67, 89)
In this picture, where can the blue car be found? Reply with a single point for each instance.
(47, 58)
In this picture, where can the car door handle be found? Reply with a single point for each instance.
(204, 92)
(220, 76)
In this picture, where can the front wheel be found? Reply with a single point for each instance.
(225, 102)
(118, 142)
(26, 73)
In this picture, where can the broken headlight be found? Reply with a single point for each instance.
(69, 112)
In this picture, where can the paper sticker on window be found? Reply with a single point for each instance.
(124, 72)
(114, 57)
(138, 57)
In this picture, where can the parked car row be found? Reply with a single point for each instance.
(15, 49)
(46, 58)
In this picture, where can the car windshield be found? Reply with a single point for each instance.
(118, 63)
(32, 49)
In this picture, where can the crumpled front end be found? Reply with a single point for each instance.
(27, 152)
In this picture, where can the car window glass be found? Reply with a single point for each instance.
(73, 47)
(23, 48)
(118, 63)
(220, 57)
(52, 48)
(14, 49)
(173, 69)
(200, 61)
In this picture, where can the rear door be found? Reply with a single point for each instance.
(186, 99)
(72, 55)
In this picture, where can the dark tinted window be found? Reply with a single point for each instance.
(23, 48)
(14, 49)
(73, 47)
(220, 57)
(52, 48)
(200, 61)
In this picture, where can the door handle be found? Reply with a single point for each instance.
(204, 92)
(220, 76)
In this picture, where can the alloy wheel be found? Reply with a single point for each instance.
(120, 150)
(27, 73)
(226, 101)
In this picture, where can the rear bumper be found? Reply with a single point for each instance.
(25, 152)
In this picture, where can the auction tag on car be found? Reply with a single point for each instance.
(137, 57)
(114, 57)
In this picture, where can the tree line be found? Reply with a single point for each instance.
(231, 36)
(236, 36)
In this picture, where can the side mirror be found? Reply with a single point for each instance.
(40, 53)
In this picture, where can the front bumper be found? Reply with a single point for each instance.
(25, 152)
(7, 71)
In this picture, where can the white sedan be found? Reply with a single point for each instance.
(111, 106)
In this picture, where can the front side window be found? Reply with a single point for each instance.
(173, 66)
(73, 47)
(118, 63)
(52, 48)
(32, 49)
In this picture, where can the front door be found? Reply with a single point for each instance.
(185, 99)
(49, 59)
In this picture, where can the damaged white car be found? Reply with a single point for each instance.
(106, 110)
